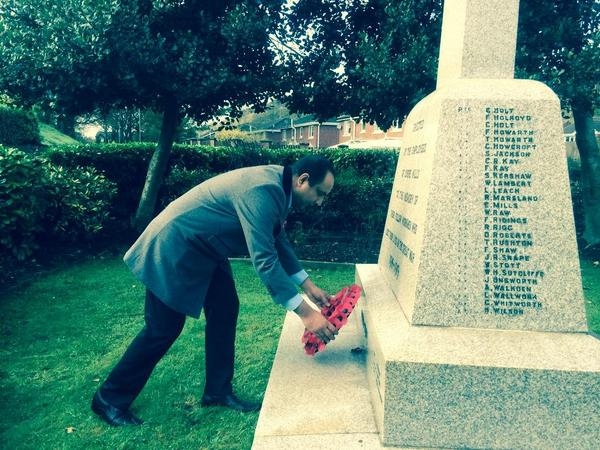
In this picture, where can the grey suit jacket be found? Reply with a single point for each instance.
(237, 212)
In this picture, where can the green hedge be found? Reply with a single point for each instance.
(24, 200)
(79, 193)
(42, 201)
(80, 206)
(358, 203)
(18, 127)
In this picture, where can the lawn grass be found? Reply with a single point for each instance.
(51, 136)
(64, 331)
(590, 275)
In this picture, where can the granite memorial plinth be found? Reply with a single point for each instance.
(474, 317)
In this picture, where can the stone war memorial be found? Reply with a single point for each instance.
(473, 320)
(474, 315)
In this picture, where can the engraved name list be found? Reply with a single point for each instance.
(510, 275)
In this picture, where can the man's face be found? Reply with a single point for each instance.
(306, 194)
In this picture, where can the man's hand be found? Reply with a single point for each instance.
(315, 322)
(316, 295)
(337, 313)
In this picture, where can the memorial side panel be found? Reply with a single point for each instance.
(399, 257)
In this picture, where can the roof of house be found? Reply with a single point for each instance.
(270, 130)
(390, 143)
(312, 120)
(256, 127)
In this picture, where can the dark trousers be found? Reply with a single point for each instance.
(163, 326)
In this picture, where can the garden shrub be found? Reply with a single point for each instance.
(41, 200)
(368, 163)
(80, 206)
(358, 203)
(127, 164)
(18, 127)
(24, 198)
(360, 198)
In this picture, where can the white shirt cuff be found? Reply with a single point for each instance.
(299, 277)
(293, 302)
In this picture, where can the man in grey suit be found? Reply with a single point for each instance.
(182, 259)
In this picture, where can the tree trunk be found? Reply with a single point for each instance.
(158, 167)
(590, 172)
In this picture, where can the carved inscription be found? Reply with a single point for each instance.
(510, 275)
(400, 245)
(401, 222)
(407, 197)
(415, 149)
(404, 221)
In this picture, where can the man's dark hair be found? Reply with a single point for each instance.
(315, 166)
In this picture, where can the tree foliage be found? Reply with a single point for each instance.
(559, 44)
(274, 112)
(81, 54)
(373, 59)
(178, 57)
(44, 201)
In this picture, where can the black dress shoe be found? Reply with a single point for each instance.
(230, 401)
(111, 415)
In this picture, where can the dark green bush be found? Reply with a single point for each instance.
(18, 127)
(80, 206)
(24, 198)
(223, 159)
(44, 201)
(127, 164)
(359, 200)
